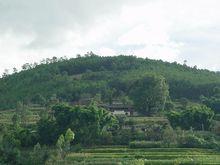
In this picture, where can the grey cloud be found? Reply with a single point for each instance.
(48, 18)
(200, 46)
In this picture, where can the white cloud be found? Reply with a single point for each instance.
(172, 30)
(106, 51)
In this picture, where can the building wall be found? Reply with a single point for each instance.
(121, 113)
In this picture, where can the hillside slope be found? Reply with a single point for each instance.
(75, 78)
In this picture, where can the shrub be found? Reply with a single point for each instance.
(191, 141)
(174, 118)
(169, 137)
(217, 117)
(145, 144)
(213, 144)
(76, 148)
(198, 117)
(106, 138)
(134, 162)
(150, 132)
(123, 137)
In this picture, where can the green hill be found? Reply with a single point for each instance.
(72, 79)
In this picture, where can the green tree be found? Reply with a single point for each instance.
(198, 117)
(87, 122)
(16, 120)
(69, 137)
(68, 79)
(25, 113)
(126, 100)
(38, 99)
(149, 94)
(38, 156)
(213, 102)
(47, 131)
(60, 142)
(9, 150)
(63, 142)
(22, 112)
(169, 136)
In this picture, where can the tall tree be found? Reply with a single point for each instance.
(87, 122)
(149, 94)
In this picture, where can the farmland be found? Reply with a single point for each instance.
(114, 155)
(159, 156)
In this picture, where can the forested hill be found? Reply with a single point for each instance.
(72, 79)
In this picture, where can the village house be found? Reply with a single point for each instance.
(118, 108)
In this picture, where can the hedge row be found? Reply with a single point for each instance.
(145, 144)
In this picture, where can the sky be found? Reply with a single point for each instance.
(171, 30)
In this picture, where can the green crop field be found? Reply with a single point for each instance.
(146, 120)
(151, 156)
(32, 116)
(123, 155)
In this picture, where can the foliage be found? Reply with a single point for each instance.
(152, 156)
(134, 162)
(212, 102)
(21, 112)
(60, 142)
(47, 131)
(169, 136)
(145, 144)
(175, 118)
(122, 137)
(38, 156)
(109, 76)
(198, 117)
(69, 136)
(88, 123)
(38, 99)
(149, 94)
(191, 141)
(27, 137)
(9, 149)
(63, 142)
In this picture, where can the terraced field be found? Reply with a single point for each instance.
(32, 116)
(151, 156)
(122, 155)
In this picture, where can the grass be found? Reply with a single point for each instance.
(32, 117)
(153, 156)
(145, 120)
(122, 155)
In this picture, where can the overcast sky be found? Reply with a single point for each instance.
(171, 30)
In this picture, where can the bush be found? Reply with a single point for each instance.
(213, 144)
(134, 162)
(122, 137)
(106, 138)
(150, 132)
(217, 117)
(169, 137)
(191, 141)
(145, 144)
(198, 117)
(76, 148)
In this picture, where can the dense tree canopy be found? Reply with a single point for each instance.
(213, 101)
(149, 94)
(196, 117)
(111, 77)
(88, 123)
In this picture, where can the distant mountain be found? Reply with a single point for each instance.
(70, 80)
